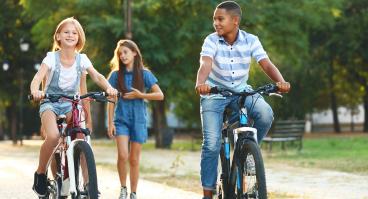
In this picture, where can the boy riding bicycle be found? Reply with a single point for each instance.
(225, 62)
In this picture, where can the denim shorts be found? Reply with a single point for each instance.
(137, 132)
(59, 108)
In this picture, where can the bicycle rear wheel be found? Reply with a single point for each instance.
(252, 172)
(85, 172)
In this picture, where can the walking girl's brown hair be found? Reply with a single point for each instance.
(118, 65)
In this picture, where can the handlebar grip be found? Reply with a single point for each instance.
(30, 96)
(214, 90)
(106, 94)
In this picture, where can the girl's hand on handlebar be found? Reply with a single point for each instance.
(111, 91)
(203, 89)
(37, 95)
(283, 87)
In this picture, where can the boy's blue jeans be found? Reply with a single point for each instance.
(212, 117)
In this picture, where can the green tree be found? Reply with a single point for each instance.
(14, 30)
(351, 43)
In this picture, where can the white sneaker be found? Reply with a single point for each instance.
(133, 196)
(123, 193)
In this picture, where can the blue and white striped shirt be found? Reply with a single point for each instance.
(231, 63)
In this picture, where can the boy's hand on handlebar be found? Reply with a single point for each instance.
(37, 95)
(202, 89)
(283, 87)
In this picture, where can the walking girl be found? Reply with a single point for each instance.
(128, 117)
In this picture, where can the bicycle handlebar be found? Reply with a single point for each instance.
(98, 96)
(268, 89)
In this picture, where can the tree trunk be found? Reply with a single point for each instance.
(1, 130)
(365, 102)
(335, 116)
(14, 123)
(98, 114)
(160, 128)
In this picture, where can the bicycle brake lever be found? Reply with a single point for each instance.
(276, 94)
(110, 101)
(226, 93)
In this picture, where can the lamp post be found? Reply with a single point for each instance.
(24, 46)
(5, 68)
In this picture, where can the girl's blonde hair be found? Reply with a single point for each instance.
(117, 65)
(81, 35)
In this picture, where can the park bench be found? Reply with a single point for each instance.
(287, 131)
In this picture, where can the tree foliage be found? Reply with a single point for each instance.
(307, 40)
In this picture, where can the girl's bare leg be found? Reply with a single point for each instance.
(134, 156)
(122, 145)
(48, 120)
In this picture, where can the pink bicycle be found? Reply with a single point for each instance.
(73, 169)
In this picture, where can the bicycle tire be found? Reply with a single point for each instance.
(88, 189)
(251, 150)
(221, 182)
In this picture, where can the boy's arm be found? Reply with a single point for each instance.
(273, 72)
(202, 75)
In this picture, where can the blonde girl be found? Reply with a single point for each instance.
(63, 69)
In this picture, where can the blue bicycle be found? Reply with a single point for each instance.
(244, 177)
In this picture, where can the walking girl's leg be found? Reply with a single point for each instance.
(48, 120)
(134, 157)
(122, 145)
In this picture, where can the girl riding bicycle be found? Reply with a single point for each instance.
(62, 68)
(128, 126)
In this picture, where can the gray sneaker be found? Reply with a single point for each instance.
(133, 196)
(123, 193)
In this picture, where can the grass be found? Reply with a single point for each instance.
(348, 154)
(343, 153)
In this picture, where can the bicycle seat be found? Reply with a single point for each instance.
(60, 119)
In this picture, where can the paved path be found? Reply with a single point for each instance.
(17, 165)
(16, 178)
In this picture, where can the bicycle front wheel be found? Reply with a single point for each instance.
(85, 172)
(252, 173)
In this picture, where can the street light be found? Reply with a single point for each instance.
(5, 66)
(37, 66)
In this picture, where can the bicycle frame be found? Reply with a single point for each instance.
(242, 132)
(68, 140)
(244, 136)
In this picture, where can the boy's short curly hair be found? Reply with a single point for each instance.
(232, 7)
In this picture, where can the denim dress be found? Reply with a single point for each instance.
(130, 116)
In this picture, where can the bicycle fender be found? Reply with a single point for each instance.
(70, 156)
(249, 132)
